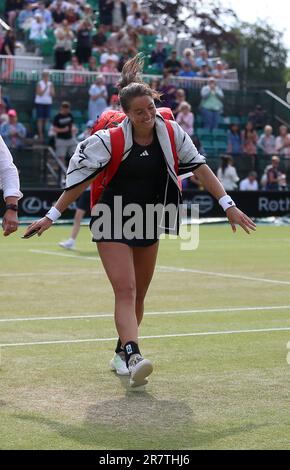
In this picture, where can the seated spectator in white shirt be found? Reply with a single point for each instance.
(267, 141)
(250, 183)
(135, 21)
(219, 70)
(282, 144)
(38, 28)
(109, 55)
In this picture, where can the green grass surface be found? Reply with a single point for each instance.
(213, 391)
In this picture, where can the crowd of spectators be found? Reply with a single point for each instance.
(101, 41)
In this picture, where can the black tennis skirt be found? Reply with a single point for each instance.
(138, 230)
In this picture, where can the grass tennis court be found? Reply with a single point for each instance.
(217, 384)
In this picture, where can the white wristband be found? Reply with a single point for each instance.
(53, 214)
(226, 202)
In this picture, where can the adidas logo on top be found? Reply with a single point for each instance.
(144, 154)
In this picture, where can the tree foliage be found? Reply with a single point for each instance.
(205, 21)
(267, 55)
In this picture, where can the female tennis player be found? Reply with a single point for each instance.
(145, 177)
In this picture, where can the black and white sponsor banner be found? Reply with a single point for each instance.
(36, 202)
(253, 203)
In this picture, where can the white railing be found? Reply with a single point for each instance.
(30, 68)
(18, 63)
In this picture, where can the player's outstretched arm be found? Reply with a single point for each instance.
(214, 187)
(66, 198)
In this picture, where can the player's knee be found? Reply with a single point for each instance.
(126, 291)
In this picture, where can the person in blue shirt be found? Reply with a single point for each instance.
(235, 146)
(13, 132)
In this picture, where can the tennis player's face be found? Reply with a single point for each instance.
(142, 112)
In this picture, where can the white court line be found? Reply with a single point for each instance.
(175, 269)
(231, 276)
(50, 273)
(174, 312)
(65, 255)
(177, 335)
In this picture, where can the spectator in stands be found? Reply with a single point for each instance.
(25, 17)
(63, 46)
(4, 103)
(185, 118)
(173, 65)
(282, 143)
(114, 104)
(3, 118)
(227, 173)
(154, 83)
(250, 183)
(57, 12)
(250, 139)
(234, 140)
(98, 98)
(203, 60)
(219, 71)
(105, 12)
(8, 48)
(13, 132)
(12, 9)
(84, 41)
(75, 66)
(45, 13)
(258, 117)
(72, 17)
(168, 91)
(62, 4)
(135, 21)
(179, 98)
(147, 27)
(88, 13)
(64, 130)
(212, 104)
(130, 41)
(187, 71)
(38, 29)
(87, 132)
(273, 175)
(43, 101)
(109, 54)
(134, 7)
(92, 64)
(204, 72)
(99, 39)
(109, 67)
(119, 14)
(188, 58)
(159, 55)
(267, 141)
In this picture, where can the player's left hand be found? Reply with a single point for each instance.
(10, 222)
(237, 217)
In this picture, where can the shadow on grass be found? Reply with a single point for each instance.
(138, 421)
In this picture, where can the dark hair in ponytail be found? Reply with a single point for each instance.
(131, 84)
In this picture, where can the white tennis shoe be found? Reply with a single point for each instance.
(118, 364)
(139, 369)
(68, 244)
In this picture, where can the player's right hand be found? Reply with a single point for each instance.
(39, 226)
